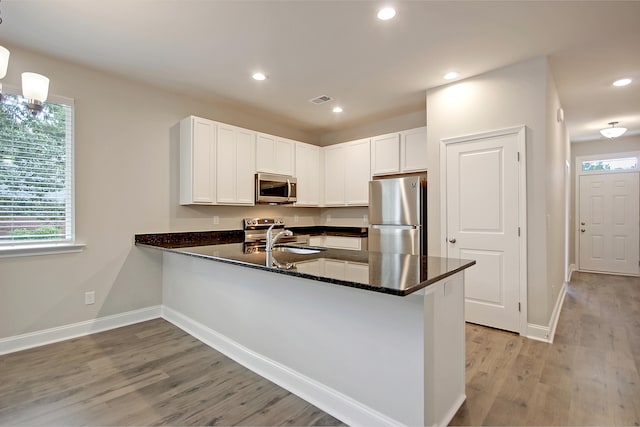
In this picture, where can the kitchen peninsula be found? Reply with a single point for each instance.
(372, 338)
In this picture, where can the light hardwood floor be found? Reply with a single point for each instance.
(152, 373)
(588, 376)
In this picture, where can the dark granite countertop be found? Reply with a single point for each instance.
(391, 273)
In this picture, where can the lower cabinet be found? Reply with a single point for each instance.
(338, 242)
(335, 269)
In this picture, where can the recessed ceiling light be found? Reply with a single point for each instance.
(386, 13)
(337, 109)
(259, 76)
(450, 75)
(622, 82)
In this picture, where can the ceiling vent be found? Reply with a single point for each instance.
(321, 99)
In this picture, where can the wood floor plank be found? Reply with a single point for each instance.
(588, 376)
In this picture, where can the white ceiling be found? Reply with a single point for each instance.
(374, 69)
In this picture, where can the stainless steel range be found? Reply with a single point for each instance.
(255, 234)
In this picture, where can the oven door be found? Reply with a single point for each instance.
(275, 188)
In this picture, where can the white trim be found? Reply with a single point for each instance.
(329, 400)
(74, 330)
(446, 419)
(40, 249)
(521, 132)
(572, 269)
(547, 333)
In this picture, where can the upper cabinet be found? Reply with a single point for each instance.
(347, 173)
(197, 161)
(385, 154)
(275, 154)
(400, 152)
(235, 165)
(413, 150)
(308, 159)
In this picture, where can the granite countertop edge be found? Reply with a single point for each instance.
(148, 241)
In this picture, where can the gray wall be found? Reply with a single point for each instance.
(126, 169)
(520, 94)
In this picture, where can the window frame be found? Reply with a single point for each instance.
(64, 245)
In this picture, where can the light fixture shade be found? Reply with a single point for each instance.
(612, 132)
(35, 87)
(4, 61)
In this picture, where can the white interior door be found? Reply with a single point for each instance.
(482, 223)
(609, 230)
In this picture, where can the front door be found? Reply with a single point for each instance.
(609, 230)
(482, 223)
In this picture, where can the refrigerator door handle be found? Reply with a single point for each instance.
(404, 227)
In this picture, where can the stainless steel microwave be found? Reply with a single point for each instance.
(275, 189)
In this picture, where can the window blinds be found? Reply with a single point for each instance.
(36, 172)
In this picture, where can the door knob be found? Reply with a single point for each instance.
(452, 240)
(582, 230)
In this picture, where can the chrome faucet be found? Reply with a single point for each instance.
(271, 240)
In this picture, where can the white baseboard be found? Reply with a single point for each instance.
(546, 333)
(329, 400)
(452, 411)
(572, 269)
(61, 333)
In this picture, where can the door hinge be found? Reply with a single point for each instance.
(519, 308)
(518, 231)
(518, 156)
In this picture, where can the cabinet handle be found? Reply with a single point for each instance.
(582, 230)
(582, 223)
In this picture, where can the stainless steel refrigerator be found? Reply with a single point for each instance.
(398, 214)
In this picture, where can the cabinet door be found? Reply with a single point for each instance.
(385, 154)
(308, 174)
(414, 150)
(226, 164)
(197, 161)
(284, 156)
(334, 269)
(356, 272)
(334, 175)
(357, 173)
(245, 167)
(265, 153)
(343, 242)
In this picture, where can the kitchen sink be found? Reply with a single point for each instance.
(300, 250)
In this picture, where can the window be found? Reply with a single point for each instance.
(627, 163)
(36, 173)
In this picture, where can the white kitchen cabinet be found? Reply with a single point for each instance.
(336, 269)
(385, 154)
(334, 175)
(197, 161)
(337, 242)
(235, 165)
(413, 150)
(401, 152)
(308, 174)
(347, 173)
(275, 154)
(357, 173)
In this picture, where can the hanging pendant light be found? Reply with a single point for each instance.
(4, 64)
(613, 131)
(35, 87)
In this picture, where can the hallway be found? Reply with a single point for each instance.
(588, 376)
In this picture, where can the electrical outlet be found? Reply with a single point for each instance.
(365, 218)
(329, 218)
(89, 297)
(296, 218)
(216, 220)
